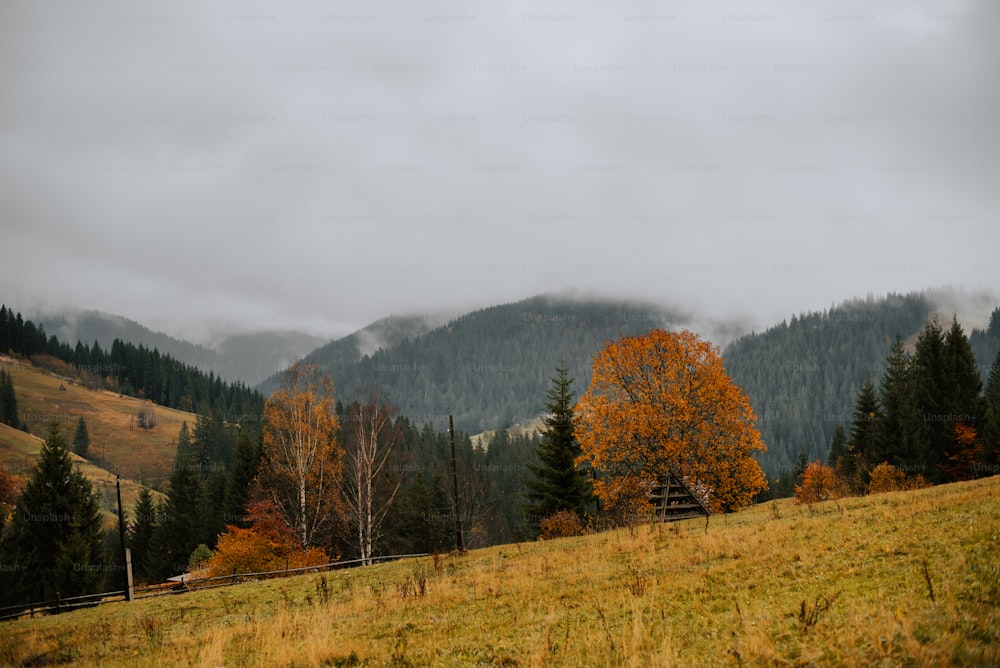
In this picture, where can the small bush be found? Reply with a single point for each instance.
(820, 483)
(561, 524)
(887, 478)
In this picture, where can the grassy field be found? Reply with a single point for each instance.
(44, 397)
(907, 578)
(19, 451)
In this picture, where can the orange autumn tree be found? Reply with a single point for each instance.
(268, 545)
(962, 454)
(301, 466)
(663, 402)
(820, 483)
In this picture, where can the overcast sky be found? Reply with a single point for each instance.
(208, 165)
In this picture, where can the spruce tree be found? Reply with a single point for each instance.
(895, 433)
(965, 405)
(142, 532)
(185, 446)
(556, 483)
(240, 480)
(801, 464)
(931, 388)
(990, 457)
(8, 401)
(862, 444)
(838, 448)
(81, 439)
(55, 539)
(182, 524)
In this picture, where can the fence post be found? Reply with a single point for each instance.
(129, 583)
(126, 552)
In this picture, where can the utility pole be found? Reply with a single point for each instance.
(459, 541)
(126, 552)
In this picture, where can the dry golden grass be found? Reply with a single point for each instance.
(137, 453)
(904, 578)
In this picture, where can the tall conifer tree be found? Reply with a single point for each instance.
(142, 532)
(81, 438)
(990, 458)
(895, 433)
(838, 448)
(931, 391)
(862, 445)
(556, 483)
(54, 543)
(965, 405)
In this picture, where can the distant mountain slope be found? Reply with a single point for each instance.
(802, 376)
(254, 356)
(489, 368)
(249, 357)
(90, 326)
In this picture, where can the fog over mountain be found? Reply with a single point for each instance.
(219, 168)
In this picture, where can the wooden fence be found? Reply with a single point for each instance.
(149, 591)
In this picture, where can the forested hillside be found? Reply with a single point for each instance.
(129, 369)
(489, 368)
(803, 375)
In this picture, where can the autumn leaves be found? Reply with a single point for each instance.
(661, 402)
(658, 402)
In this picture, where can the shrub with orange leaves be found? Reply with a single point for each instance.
(963, 453)
(268, 545)
(663, 402)
(886, 478)
(560, 524)
(820, 483)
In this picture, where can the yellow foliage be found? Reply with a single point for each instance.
(301, 461)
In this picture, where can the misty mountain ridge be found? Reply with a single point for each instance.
(491, 368)
(249, 357)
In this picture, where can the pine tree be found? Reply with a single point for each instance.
(142, 532)
(801, 464)
(182, 523)
(55, 538)
(213, 507)
(8, 401)
(240, 480)
(81, 439)
(185, 446)
(556, 483)
(838, 448)
(965, 405)
(862, 445)
(931, 389)
(895, 432)
(990, 458)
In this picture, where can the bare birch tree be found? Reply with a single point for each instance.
(373, 435)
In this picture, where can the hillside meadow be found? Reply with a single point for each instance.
(904, 578)
(44, 397)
